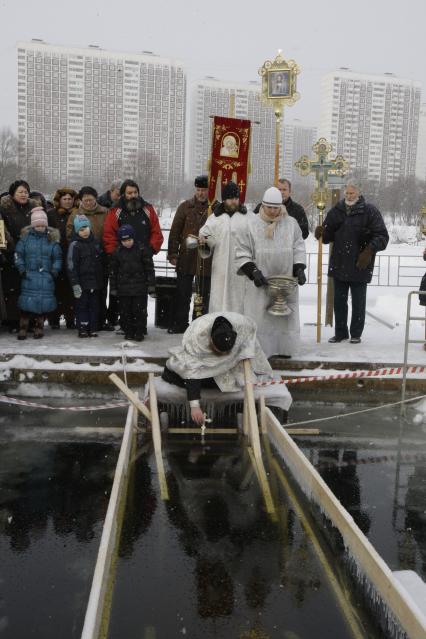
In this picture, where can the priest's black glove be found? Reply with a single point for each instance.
(250, 269)
(259, 279)
(299, 272)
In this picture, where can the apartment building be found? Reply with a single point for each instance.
(97, 114)
(373, 121)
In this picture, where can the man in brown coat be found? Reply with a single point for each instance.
(189, 218)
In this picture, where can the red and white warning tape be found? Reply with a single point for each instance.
(22, 402)
(381, 372)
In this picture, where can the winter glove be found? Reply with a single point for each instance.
(151, 291)
(55, 274)
(364, 258)
(76, 289)
(22, 274)
(318, 232)
(250, 269)
(259, 279)
(299, 272)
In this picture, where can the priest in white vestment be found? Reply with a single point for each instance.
(211, 356)
(226, 223)
(271, 244)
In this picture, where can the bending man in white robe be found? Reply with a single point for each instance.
(272, 244)
(211, 356)
(219, 232)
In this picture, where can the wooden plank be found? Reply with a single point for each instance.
(132, 397)
(208, 431)
(156, 437)
(110, 536)
(260, 471)
(262, 407)
(196, 431)
(409, 616)
(245, 414)
(250, 407)
(302, 431)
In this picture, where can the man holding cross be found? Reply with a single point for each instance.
(358, 232)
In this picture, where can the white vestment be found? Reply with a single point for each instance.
(278, 335)
(194, 359)
(227, 288)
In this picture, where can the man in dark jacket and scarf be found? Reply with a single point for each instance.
(358, 232)
(189, 218)
(110, 197)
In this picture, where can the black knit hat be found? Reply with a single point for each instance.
(223, 335)
(201, 182)
(230, 191)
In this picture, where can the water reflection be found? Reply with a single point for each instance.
(64, 483)
(379, 475)
(223, 524)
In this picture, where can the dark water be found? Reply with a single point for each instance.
(212, 563)
(379, 475)
(53, 499)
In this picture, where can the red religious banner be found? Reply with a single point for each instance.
(230, 154)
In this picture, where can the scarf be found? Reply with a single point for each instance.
(271, 221)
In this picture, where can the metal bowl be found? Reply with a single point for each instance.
(279, 289)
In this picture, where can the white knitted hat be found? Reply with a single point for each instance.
(272, 197)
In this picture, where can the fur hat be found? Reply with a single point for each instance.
(201, 182)
(65, 190)
(272, 197)
(126, 232)
(81, 222)
(230, 191)
(38, 217)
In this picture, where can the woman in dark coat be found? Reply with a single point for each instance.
(6, 254)
(66, 203)
(15, 209)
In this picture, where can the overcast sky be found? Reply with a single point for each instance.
(229, 40)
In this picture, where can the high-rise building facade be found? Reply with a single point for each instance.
(96, 114)
(211, 97)
(372, 120)
(299, 138)
(421, 145)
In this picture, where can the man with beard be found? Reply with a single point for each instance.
(293, 208)
(132, 209)
(358, 232)
(189, 218)
(218, 234)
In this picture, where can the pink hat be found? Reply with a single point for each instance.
(38, 217)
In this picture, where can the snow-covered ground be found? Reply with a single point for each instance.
(380, 342)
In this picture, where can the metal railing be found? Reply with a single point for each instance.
(389, 270)
(410, 318)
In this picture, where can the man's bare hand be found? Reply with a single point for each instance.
(173, 260)
(202, 239)
(197, 415)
